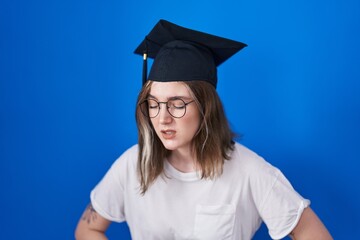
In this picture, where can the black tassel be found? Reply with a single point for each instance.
(144, 75)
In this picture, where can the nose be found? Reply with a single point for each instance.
(164, 115)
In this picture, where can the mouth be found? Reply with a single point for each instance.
(168, 134)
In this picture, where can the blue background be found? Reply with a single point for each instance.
(69, 82)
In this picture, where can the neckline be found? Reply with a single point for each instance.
(185, 177)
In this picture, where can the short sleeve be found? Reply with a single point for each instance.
(108, 196)
(281, 206)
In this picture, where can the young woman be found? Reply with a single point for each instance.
(186, 178)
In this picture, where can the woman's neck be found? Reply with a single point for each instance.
(183, 161)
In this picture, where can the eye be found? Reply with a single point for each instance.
(152, 104)
(177, 104)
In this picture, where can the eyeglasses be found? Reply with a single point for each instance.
(176, 107)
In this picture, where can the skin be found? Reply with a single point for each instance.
(310, 227)
(176, 135)
(91, 225)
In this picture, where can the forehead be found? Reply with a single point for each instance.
(169, 89)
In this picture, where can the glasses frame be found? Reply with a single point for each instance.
(146, 113)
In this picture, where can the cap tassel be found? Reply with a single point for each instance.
(144, 75)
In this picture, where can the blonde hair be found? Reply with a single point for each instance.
(211, 144)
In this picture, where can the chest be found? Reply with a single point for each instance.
(203, 209)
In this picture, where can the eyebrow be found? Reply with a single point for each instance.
(172, 97)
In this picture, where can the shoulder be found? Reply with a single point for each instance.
(249, 163)
(247, 157)
(127, 159)
(129, 153)
(243, 153)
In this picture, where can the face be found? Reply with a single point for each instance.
(175, 133)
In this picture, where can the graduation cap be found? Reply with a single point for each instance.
(182, 54)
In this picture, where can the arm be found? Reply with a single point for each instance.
(310, 227)
(91, 226)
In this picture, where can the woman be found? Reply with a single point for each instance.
(187, 178)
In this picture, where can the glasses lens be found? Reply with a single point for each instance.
(177, 108)
(150, 108)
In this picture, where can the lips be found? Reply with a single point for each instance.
(168, 134)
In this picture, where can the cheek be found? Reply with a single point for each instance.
(192, 122)
(153, 123)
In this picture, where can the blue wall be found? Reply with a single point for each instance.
(69, 81)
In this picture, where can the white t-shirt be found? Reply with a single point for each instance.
(182, 206)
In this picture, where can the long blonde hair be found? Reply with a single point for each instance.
(211, 144)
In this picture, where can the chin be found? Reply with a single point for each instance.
(169, 145)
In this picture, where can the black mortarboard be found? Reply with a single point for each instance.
(182, 54)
